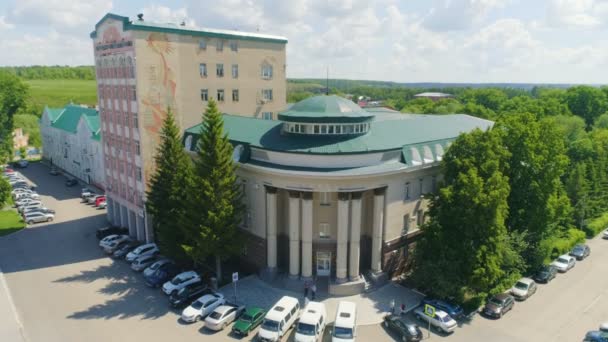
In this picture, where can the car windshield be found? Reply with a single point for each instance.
(156, 265)
(412, 329)
(197, 305)
(306, 329)
(445, 319)
(246, 318)
(521, 286)
(578, 249)
(562, 260)
(340, 332)
(496, 301)
(215, 315)
(270, 325)
(177, 280)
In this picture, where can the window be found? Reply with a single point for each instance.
(138, 173)
(133, 93)
(219, 70)
(220, 45)
(316, 129)
(324, 231)
(137, 150)
(267, 94)
(406, 224)
(220, 95)
(266, 71)
(434, 184)
(234, 46)
(135, 121)
(267, 115)
(420, 217)
(204, 94)
(323, 129)
(407, 190)
(324, 198)
(235, 70)
(421, 181)
(202, 69)
(202, 44)
(235, 95)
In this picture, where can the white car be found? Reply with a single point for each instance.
(564, 262)
(30, 207)
(222, 316)
(25, 201)
(37, 216)
(180, 281)
(147, 249)
(150, 270)
(111, 238)
(202, 307)
(24, 195)
(112, 246)
(605, 236)
(142, 262)
(21, 191)
(441, 320)
(524, 288)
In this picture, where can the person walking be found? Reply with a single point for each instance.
(306, 288)
(314, 290)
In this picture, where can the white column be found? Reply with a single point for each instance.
(132, 225)
(271, 227)
(294, 234)
(116, 213)
(307, 234)
(342, 241)
(110, 210)
(355, 236)
(377, 230)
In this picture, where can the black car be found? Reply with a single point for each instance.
(162, 275)
(498, 305)
(125, 248)
(405, 332)
(188, 294)
(53, 171)
(546, 274)
(580, 251)
(455, 311)
(106, 231)
(71, 182)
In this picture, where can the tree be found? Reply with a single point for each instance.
(30, 126)
(5, 191)
(490, 98)
(586, 102)
(217, 206)
(165, 198)
(22, 152)
(13, 93)
(601, 121)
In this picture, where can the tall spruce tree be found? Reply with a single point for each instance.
(217, 209)
(165, 199)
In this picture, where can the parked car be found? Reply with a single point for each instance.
(605, 235)
(37, 217)
(440, 320)
(580, 251)
(142, 262)
(147, 249)
(111, 247)
(180, 281)
(155, 266)
(28, 194)
(93, 199)
(102, 205)
(202, 307)
(99, 199)
(545, 274)
(124, 249)
(564, 262)
(85, 191)
(30, 208)
(455, 311)
(31, 203)
(53, 171)
(189, 293)
(70, 182)
(222, 316)
(345, 326)
(111, 238)
(604, 327)
(105, 231)
(162, 275)
(404, 332)
(311, 324)
(523, 289)
(251, 318)
(85, 198)
(22, 163)
(279, 319)
(25, 201)
(596, 336)
(499, 305)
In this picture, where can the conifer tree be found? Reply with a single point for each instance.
(165, 198)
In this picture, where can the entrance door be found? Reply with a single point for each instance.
(323, 264)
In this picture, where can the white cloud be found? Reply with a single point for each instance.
(51, 49)
(4, 25)
(577, 13)
(459, 14)
(164, 14)
(61, 15)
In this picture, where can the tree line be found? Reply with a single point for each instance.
(55, 72)
(13, 94)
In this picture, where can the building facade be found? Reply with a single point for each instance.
(145, 69)
(334, 190)
(71, 140)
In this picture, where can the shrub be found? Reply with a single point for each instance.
(561, 244)
(596, 225)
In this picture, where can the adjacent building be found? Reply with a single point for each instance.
(20, 139)
(335, 190)
(71, 140)
(145, 69)
(434, 96)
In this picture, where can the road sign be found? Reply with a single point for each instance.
(235, 277)
(429, 310)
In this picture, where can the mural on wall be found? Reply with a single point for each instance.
(159, 95)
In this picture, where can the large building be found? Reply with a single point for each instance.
(334, 190)
(71, 141)
(145, 68)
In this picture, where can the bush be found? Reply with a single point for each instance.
(562, 244)
(596, 225)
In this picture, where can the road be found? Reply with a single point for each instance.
(65, 289)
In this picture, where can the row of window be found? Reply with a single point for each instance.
(409, 188)
(115, 67)
(219, 44)
(126, 192)
(333, 129)
(121, 144)
(220, 95)
(123, 120)
(266, 70)
(123, 167)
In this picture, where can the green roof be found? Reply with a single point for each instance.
(384, 135)
(67, 119)
(325, 109)
(144, 25)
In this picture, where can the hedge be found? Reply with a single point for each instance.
(596, 225)
(561, 245)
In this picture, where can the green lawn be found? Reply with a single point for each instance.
(58, 93)
(10, 222)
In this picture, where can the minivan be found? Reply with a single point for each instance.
(345, 325)
(312, 323)
(279, 319)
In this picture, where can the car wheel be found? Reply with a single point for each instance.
(403, 338)
(198, 318)
(30, 222)
(50, 219)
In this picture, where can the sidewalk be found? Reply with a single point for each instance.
(10, 328)
(371, 307)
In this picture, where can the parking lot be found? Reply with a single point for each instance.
(65, 289)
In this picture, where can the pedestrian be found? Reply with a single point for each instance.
(306, 300)
(306, 286)
(402, 309)
(314, 291)
(392, 304)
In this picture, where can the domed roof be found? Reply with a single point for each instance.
(325, 109)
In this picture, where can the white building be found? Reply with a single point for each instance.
(71, 140)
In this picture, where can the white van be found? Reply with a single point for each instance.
(345, 326)
(279, 319)
(312, 323)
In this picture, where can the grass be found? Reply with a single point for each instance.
(58, 93)
(10, 222)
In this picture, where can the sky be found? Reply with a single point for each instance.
(528, 41)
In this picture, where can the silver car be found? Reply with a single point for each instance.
(142, 262)
(37, 216)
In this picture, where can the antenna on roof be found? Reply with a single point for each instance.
(140, 16)
(183, 23)
(327, 82)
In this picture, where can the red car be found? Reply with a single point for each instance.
(8, 170)
(99, 200)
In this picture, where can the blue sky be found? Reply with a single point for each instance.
(540, 41)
